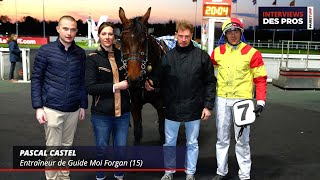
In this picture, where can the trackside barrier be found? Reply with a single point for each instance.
(23, 66)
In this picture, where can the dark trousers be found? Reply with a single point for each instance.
(12, 67)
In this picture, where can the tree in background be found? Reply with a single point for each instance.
(29, 26)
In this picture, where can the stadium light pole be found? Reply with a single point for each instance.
(43, 20)
(17, 31)
(195, 21)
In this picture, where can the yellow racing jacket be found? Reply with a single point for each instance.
(237, 70)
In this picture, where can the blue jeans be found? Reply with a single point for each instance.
(192, 133)
(103, 127)
(12, 67)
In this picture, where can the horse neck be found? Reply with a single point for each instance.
(155, 52)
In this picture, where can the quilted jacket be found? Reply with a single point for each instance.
(58, 78)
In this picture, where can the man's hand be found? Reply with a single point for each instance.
(206, 113)
(82, 114)
(258, 110)
(149, 85)
(41, 116)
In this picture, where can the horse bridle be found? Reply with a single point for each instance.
(135, 56)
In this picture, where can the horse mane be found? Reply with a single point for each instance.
(155, 51)
(137, 26)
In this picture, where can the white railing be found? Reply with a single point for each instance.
(5, 63)
(278, 45)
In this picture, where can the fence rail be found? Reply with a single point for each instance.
(313, 45)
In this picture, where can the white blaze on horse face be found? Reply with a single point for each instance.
(106, 37)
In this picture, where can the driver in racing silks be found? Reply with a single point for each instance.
(239, 67)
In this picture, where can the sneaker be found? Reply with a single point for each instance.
(237, 178)
(119, 177)
(167, 177)
(219, 177)
(103, 178)
(190, 177)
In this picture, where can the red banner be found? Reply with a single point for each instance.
(26, 40)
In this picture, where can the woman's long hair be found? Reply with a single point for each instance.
(11, 38)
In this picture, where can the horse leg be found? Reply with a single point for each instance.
(137, 122)
(160, 110)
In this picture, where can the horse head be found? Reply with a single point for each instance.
(134, 39)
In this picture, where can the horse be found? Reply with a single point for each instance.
(141, 54)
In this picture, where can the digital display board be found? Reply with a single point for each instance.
(216, 10)
(286, 18)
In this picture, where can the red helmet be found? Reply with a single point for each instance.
(232, 24)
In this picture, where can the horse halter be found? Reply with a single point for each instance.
(135, 56)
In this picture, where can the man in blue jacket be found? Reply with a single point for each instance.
(58, 88)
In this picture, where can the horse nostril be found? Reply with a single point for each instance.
(132, 82)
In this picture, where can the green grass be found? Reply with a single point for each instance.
(291, 51)
(31, 46)
(84, 45)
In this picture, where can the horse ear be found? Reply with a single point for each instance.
(122, 16)
(146, 16)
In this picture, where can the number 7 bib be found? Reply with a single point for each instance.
(243, 112)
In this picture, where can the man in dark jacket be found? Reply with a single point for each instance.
(188, 85)
(58, 88)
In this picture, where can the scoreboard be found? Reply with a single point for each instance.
(216, 10)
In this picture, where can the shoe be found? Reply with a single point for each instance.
(100, 178)
(190, 177)
(119, 177)
(237, 178)
(167, 177)
(219, 177)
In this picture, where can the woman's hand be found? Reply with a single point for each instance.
(123, 85)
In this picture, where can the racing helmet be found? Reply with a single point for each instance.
(232, 24)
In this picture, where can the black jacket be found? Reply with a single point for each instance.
(58, 78)
(99, 82)
(187, 83)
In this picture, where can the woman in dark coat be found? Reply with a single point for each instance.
(14, 54)
(110, 109)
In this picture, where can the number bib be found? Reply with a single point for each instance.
(243, 112)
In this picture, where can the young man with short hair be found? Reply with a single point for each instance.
(58, 88)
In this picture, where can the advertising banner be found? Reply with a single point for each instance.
(286, 18)
(26, 40)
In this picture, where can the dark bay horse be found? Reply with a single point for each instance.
(141, 54)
